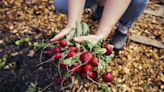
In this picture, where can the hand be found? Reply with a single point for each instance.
(60, 35)
(89, 37)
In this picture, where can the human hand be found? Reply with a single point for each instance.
(89, 37)
(60, 35)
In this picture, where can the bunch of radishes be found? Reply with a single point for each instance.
(88, 59)
(77, 60)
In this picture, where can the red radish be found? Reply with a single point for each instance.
(78, 50)
(48, 52)
(56, 49)
(95, 62)
(71, 54)
(107, 77)
(83, 75)
(57, 56)
(63, 43)
(71, 48)
(57, 79)
(63, 66)
(108, 49)
(92, 75)
(86, 57)
(87, 67)
(78, 70)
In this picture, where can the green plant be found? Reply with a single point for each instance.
(32, 88)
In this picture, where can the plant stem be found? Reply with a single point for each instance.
(66, 87)
(48, 86)
(96, 82)
(49, 60)
(78, 66)
(71, 72)
(41, 54)
(64, 55)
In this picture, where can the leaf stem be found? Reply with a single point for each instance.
(99, 84)
(41, 54)
(48, 86)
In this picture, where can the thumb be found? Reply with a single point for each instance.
(57, 37)
(81, 38)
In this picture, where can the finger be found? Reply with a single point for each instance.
(81, 38)
(55, 42)
(57, 37)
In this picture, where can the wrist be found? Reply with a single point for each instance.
(70, 26)
(101, 36)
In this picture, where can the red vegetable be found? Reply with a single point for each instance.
(57, 79)
(78, 50)
(71, 48)
(107, 77)
(108, 49)
(63, 43)
(83, 75)
(92, 75)
(63, 66)
(95, 62)
(87, 68)
(78, 70)
(56, 49)
(48, 52)
(86, 57)
(57, 56)
(71, 54)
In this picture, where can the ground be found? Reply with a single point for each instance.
(137, 68)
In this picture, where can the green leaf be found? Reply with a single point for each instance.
(72, 60)
(3, 61)
(56, 61)
(29, 43)
(104, 88)
(41, 45)
(99, 51)
(102, 66)
(2, 64)
(99, 44)
(77, 76)
(88, 44)
(83, 48)
(107, 89)
(26, 39)
(4, 58)
(36, 44)
(18, 42)
(86, 30)
(32, 88)
(100, 90)
(22, 40)
(68, 61)
(7, 66)
(77, 45)
(70, 36)
(107, 59)
(79, 29)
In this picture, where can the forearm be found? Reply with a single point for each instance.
(75, 11)
(113, 10)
